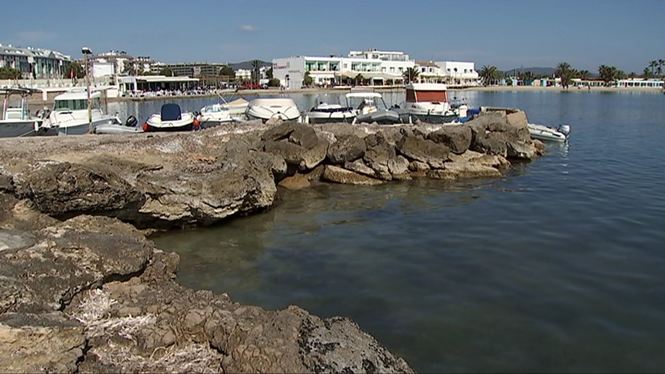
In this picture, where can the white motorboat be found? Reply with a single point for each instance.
(428, 102)
(130, 127)
(236, 108)
(371, 108)
(17, 121)
(171, 118)
(213, 115)
(329, 113)
(547, 133)
(273, 108)
(70, 113)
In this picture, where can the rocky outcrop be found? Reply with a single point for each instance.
(89, 292)
(297, 144)
(93, 294)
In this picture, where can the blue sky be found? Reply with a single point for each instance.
(627, 34)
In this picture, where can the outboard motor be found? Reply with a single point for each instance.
(564, 129)
(131, 121)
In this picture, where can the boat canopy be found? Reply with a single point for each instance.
(363, 95)
(426, 92)
(171, 112)
(78, 95)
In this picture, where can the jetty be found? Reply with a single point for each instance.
(85, 289)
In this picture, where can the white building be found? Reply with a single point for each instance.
(640, 83)
(453, 73)
(243, 74)
(459, 73)
(374, 67)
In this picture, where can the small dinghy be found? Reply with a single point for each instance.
(213, 115)
(547, 133)
(372, 108)
(130, 127)
(330, 113)
(171, 118)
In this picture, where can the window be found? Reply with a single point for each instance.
(423, 70)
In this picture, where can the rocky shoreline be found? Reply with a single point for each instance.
(83, 289)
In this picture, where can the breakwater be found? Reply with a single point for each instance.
(83, 281)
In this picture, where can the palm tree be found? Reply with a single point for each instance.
(653, 65)
(489, 74)
(661, 62)
(566, 73)
(411, 75)
(609, 74)
(584, 74)
(646, 74)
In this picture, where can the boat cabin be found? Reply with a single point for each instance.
(426, 92)
(76, 100)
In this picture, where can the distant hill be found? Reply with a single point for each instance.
(534, 70)
(247, 65)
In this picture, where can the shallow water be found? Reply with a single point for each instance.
(559, 266)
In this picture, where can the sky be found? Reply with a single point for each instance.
(507, 34)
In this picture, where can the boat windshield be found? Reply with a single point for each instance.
(362, 102)
(68, 105)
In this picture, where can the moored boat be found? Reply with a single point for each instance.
(328, 113)
(428, 102)
(130, 127)
(213, 115)
(171, 118)
(17, 121)
(372, 108)
(547, 133)
(70, 113)
(273, 108)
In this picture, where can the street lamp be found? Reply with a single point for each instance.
(86, 53)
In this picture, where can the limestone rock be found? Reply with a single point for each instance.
(424, 150)
(39, 343)
(457, 138)
(359, 167)
(347, 148)
(87, 250)
(378, 153)
(339, 175)
(62, 188)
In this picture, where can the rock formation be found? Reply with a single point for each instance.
(84, 290)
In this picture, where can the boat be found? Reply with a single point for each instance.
(273, 108)
(130, 127)
(328, 113)
(371, 108)
(547, 133)
(70, 113)
(171, 118)
(17, 121)
(213, 115)
(236, 108)
(428, 102)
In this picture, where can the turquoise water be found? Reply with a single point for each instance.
(559, 266)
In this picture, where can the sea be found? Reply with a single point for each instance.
(559, 266)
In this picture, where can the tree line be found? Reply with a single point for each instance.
(491, 75)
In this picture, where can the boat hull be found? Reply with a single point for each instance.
(82, 128)
(19, 129)
(155, 124)
(432, 118)
(317, 117)
(545, 133)
(382, 117)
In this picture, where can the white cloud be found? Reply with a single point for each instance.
(248, 28)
